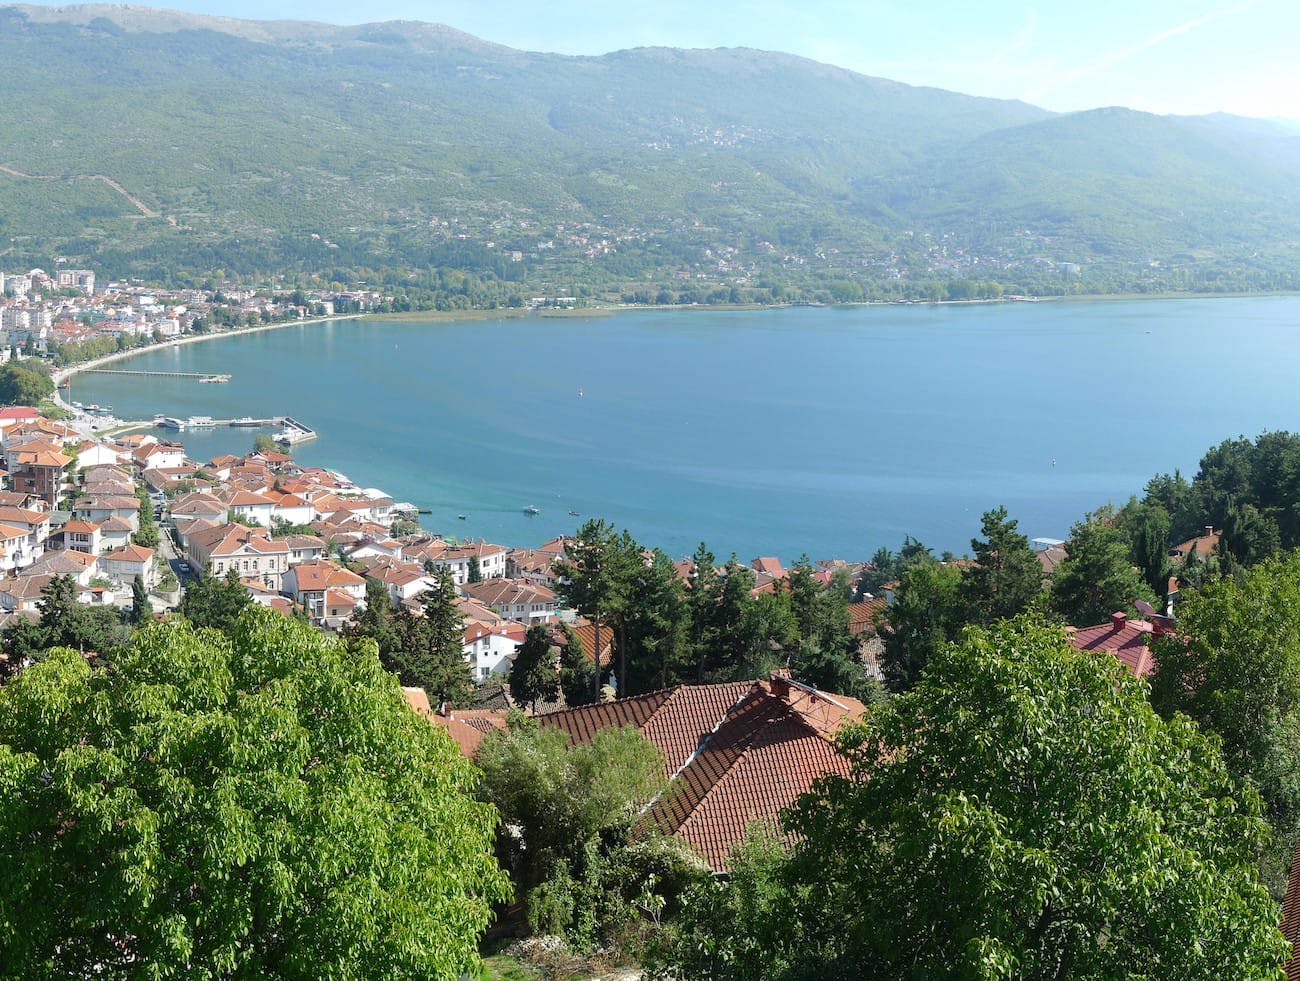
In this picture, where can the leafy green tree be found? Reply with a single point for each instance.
(1097, 577)
(264, 443)
(1234, 667)
(258, 805)
(64, 622)
(571, 811)
(926, 613)
(533, 675)
(1006, 576)
(1024, 813)
(141, 608)
(376, 621)
(1180, 500)
(475, 569)
(216, 603)
(21, 384)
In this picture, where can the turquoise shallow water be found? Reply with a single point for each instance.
(828, 430)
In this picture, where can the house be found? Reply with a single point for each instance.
(1126, 640)
(16, 415)
(248, 506)
(82, 536)
(491, 649)
(327, 591)
(122, 565)
(249, 551)
(43, 473)
(114, 533)
(159, 456)
(403, 580)
(735, 754)
(92, 454)
(513, 599)
(531, 566)
(1204, 545)
(37, 524)
(457, 559)
(22, 594)
(101, 508)
(15, 549)
(81, 567)
(304, 548)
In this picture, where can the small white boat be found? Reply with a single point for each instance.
(532, 509)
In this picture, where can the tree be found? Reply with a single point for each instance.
(925, 614)
(1023, 812)
(576, 672)
(533, 675)
(1096, 578)
(141, 608)
(1006, 576)
(1234, 667)
(216, 603)
(429, 647)
(24, 385)
(262, 805)
(475, 573)
(147, 535)
(64, 622)
(264, 443)
(594, 575)
(658, 627)
(1146, 528)
(570, 811)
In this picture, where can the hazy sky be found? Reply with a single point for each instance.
(1168, 56)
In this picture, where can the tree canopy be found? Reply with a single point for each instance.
(1097, 577)
(1022, 812)
(263, 804)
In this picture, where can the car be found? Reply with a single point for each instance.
(183, 566)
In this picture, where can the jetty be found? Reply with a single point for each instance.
(294, 432)
(199, 376)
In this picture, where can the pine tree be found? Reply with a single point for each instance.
(1006, 575)
(141, 608)
(533, 675)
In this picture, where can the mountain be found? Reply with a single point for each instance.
(151, 142)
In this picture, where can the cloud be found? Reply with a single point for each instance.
(1117, 55)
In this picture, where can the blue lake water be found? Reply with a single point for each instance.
(829, 431)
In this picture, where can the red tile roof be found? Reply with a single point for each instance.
(1126, 639)
(735, 753)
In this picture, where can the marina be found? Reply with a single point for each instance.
(207, 422)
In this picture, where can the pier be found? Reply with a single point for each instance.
(294, 432)
(194, 375)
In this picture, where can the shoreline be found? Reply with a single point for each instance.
(72, 371)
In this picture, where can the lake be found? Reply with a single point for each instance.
(830, 431)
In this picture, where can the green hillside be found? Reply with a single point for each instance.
(261, 146)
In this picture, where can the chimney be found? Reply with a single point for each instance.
(1117, 620)
(780, 680)
(1209, 531)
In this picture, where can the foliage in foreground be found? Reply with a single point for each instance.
(1022, 812)
(569, 836)
(263, 804)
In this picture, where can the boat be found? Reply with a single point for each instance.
(201, 422)
(246, 421)
(462, 517)
(170, 422)
(574, 513)
(532, 509)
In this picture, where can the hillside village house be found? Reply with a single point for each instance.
(122, 565)
(249, 551)
(513, 599)
(456, 558)
(15, 549)
(327, 591)
(491, 649)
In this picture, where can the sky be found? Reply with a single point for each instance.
(1163, 56)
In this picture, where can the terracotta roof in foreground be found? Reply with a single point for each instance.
(735, 753)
